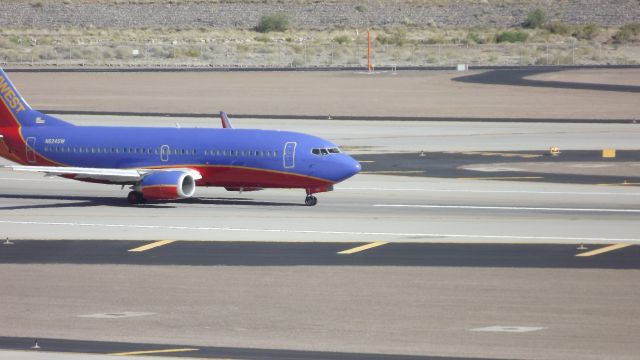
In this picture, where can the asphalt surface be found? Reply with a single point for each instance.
(198, 253)
(256, 275)
(455, 165)
(97, 347)
(518, 78)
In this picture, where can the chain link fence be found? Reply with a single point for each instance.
(314, 54)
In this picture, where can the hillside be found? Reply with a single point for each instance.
(307, 14)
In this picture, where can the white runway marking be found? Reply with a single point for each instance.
(322, 232)
(124, 314)
(493, 191)
(512, 329)
(516, 208)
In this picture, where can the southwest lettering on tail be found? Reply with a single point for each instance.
(10, 98)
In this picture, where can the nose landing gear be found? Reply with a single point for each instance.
(310, 200)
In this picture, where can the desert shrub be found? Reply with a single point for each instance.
(361, 8)
(273, 22)
(535, 19)
(193, 52)
(559, 28)
(397, 36)
(474, 38)
(123, 52)
(342, 39)
(6, 44)
(512, 36)
(627, 33)
(263, 38)
(587, 32)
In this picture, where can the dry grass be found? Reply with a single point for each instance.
(336, 47)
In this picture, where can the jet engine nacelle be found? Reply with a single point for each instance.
(167, 185)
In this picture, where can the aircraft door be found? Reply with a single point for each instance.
(31, 152)
(164, 153)
(289, 155)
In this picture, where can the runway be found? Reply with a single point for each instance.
(413, 209)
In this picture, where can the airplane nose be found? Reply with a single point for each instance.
(351, 168)
(356, 167)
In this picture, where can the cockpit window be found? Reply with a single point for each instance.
(325, 151)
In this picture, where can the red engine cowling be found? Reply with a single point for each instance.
(167, 185)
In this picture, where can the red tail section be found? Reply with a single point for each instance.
(12, 105)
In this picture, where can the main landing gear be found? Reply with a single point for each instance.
(310, 200)
(135, 198)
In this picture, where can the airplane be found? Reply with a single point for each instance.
(166, 163)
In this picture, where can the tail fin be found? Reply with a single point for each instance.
(225, 120)
(14, 110)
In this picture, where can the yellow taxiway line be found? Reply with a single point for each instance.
(362, 248)
(153, 352)
(603, 250)
(151, 246)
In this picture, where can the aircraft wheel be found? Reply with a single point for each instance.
(311, 200)
(141, 199)
(135, 198)
(132, 198)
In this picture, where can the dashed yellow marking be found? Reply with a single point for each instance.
(145, 352)
(152, 245)
(603, 250)
(362, 248)
(366, 161)
(501, 178)
(620, 184)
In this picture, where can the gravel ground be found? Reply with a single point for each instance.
(308, 14)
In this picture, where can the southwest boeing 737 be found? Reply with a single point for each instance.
(167, 163)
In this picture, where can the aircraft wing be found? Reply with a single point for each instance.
(117, 176)
(112, 175)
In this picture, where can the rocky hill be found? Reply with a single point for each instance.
(307, 14)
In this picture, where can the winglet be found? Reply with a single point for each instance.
(225, 120)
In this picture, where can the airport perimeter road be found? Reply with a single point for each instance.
(406, 93)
